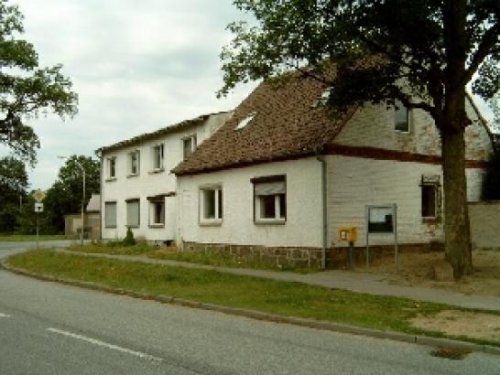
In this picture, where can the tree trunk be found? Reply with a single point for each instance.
(456, 215)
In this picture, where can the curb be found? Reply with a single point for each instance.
(258, 315)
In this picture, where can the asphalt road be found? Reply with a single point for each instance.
(48, 328)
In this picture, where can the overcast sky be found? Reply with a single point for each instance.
(137, 66)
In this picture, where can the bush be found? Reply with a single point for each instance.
(129, 239)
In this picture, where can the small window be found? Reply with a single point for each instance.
(111, 167)
(323, 99)
(158, 157)
(430, 188)
(110, 214)
(243, 123)
(270, 199)
(211, 205)
(133, 212)
(401, 117)
(188, 146)
(157, 212)
(133, 163)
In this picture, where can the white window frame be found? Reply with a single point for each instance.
(158, 157)
(107, 223)
(127, 203)
(130, 163)
(279, 184)
(193, 140)
(399, 108)
(152, 212)
(218, 209)
(111, 168)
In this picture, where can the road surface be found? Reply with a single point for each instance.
(48, 328)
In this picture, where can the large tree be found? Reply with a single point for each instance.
(65, 195)
(421, 52)
(25, 88)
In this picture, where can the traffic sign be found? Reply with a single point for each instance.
(39, 195)
(38, 207)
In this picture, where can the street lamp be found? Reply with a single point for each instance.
(83, 196)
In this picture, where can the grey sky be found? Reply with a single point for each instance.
(136, 65)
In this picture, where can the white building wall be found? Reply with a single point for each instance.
(148, 183)
(303, 226)
(354, 183)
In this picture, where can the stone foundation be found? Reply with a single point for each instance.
(305, 257)
(281, 257)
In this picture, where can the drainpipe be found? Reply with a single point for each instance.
(324, 217)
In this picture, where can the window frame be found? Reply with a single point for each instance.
(127, 202)
(161, 167)
(434, 183)
(194, 145)
(153, 201)
(279, 199)
(106, 225)
(130, 163)
(217, 219)
(399, 107)
(111, 167)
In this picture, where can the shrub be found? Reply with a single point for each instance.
(129, 239)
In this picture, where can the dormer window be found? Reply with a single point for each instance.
(401, 117)
(323, 99)
(243, 123)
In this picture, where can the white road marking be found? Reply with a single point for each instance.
(104, 344)
(4, 315)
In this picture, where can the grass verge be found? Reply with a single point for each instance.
(27, 238)
(276, 297)
(209, 258)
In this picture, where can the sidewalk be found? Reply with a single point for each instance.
(356, 282)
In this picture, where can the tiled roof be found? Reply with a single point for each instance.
(287, 124)
(158, 133)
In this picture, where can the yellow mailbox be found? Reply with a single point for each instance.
(348, 234)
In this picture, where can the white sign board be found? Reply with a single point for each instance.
(38, 207)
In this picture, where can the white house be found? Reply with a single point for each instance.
(282, 175)
(137, 188)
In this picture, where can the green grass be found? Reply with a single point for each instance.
(277, 297)
(26, 237)
(115, 248)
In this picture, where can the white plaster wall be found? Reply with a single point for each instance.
(304, 215)
(148, 183)
(373, 126)
(354, 183)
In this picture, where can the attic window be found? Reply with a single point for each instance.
(323, 99)
(246, 121)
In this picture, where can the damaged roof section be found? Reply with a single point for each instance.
(277, 121)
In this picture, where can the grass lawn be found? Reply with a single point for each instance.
(284, 298)
(26, 237)
(211, 259)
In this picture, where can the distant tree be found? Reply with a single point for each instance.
(65, 195)
(25, 88)
(13, 185)
(421, 52)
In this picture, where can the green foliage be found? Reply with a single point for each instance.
(65, 195)
(13, 185)
(25, 88)
(129, 239)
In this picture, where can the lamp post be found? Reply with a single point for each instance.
(83, 196)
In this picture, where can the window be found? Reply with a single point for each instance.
(133, 213)
(111, 168)
(157, 211)
(247, 120)
(323, 99)
(188, 146)
(430, 188)
(211, 205)
(133, 163)
(158, 153)
(401, 117)
(110, 214)
(270, 199)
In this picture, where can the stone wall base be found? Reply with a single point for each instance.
(304, 257)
